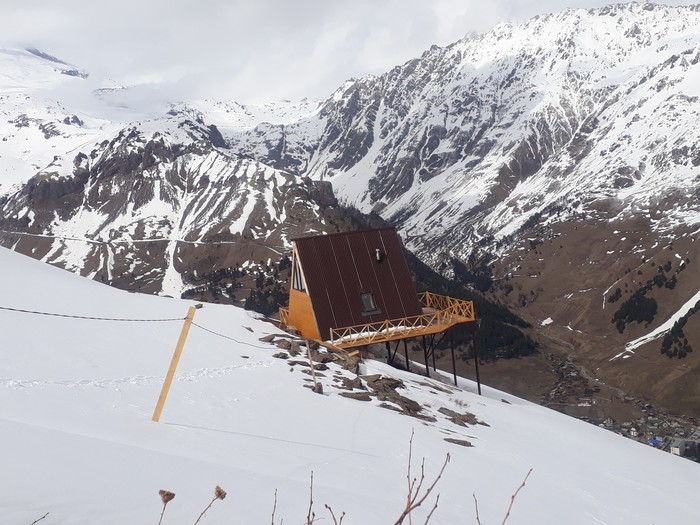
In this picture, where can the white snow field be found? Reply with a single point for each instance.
(77, 440)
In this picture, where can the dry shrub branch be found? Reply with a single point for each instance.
(335, 521)
(512, 500)
(414, 498)
(39, 519)
(515, 495)
(311, 515)
(417, 492)
(274, 509)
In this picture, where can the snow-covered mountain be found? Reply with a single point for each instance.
(129, 202)
(34, 125)
(542, 119)
(133, 206)
(472, 143)
(558, 158)
(556, 162)
(78, 395)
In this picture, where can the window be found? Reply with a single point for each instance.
(369, 305)
(297, 278)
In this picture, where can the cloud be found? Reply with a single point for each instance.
(251, 51)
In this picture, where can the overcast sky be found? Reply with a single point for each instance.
(253, 50)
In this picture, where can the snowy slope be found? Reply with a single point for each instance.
(231, 116)
(77, 396)
(36, 127)
(24, 69)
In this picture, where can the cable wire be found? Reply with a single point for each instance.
(91, 318)
(53, 314)
(229, 338)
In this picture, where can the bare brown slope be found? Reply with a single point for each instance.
(571, 273)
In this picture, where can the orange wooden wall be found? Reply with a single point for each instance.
(301, 315)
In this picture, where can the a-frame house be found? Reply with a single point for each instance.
(354, 289)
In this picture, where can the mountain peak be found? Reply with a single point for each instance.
(30, 68)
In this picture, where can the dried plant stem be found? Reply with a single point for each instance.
(430, 514)
(414, 499)
(205, 510)
(335, 521)
(38, 520)
(311, 515)
(476, 506)
(274, 508)
(515, 494)
(166, 497)
(219, 493)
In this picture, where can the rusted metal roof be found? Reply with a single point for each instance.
(339, 268)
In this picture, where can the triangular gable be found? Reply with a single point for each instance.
(357, 278)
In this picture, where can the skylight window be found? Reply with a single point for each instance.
(369, 305)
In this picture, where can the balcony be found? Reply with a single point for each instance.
(440, 313)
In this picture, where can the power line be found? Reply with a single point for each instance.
(113, 242)
(53, 314)
(110, 241)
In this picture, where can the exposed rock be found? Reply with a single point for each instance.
(401, 409)
(459, 419)
(359, 396)
(462, 442)
(317, 374)
(382, 383)
(385, 389)
(351, 384)
(317, 366)
(442, 388)
(295, 348)
(284, 343)
(322, 357)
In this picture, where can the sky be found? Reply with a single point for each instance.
(252, 51)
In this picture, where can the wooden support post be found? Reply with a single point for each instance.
(425, 355)
(434, 348)
(318, 387)
(405, 353)
(388, 351)
(452, 349)
(476, 362)
(173, 362)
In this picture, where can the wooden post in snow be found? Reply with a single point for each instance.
(173, 362)
(476, 358)
(452, 350)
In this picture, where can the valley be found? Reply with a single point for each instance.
(565, 286)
